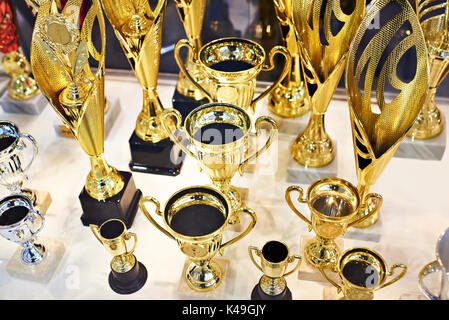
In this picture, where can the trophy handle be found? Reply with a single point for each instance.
(291, 259)
(130, 235)
(175, 113)
(37, 214)
(251, 225)
(96, 231)
(273, 132)
(250, 252)
(332, 282)
(158, 211)
(300, 199)
(377, 204)
(399, 276)
(185, 43)
(35, 148)
(428, 269)
(287, 63)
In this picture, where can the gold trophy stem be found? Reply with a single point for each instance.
(233, 196)
(322, 253)
(103, 181)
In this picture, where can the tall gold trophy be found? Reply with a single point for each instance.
(392, 56)
(434, 17)
(62, 55)
(325, 30)
(187, 96)
(287, 99)
(139, 30)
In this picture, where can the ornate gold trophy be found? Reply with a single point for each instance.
(392, 57)
(287, 99)
(187, 96)
(325, 30)
(433, 17)
(139, 30)
(61, 53)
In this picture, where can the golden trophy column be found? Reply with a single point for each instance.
(187, 96)
(62, 56)
(139, 30)
(392, 57)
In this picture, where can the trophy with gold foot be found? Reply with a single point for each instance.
(139, 30)
(391, 58)
(62, 57)
(427, 138)
(23, 95)
(187, 96)
(325, 30)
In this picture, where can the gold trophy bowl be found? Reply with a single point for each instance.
(219, 134)
(196, 217)
(334, 204)
(362, 272)
(230, 66)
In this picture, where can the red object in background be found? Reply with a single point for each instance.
(83, 10)
(9, 39)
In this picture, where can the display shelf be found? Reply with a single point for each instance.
(414, 212)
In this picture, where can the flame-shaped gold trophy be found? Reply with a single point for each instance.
(287, 99)
(391, 58)
(325, 30)
(187, 96)
(62, 57)
(139, 30)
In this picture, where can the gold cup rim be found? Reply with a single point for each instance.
(341, 182)
(274, 263)
(201, 238)
(113, 220)
(231, 39)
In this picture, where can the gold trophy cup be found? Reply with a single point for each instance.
(274, 260)
(219, 134)
(323, 52)
(287, 99)
(377, 61)
(334, 204)
(230, 66)
(195, 218)
(61, 53)
(127, 274)
(362, 272)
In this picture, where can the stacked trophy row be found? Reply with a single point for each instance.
(391, 74)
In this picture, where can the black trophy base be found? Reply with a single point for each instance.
(122, 206)
(164, 157)
(186, 104)
(258, 294)
(129, 282)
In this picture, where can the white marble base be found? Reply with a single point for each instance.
(330, 293)
(41, 272)
(34, 105)
(291, 126)
(309, 272)
(412, 295)
(43, 201)
(185, 292)
(431, 149)
(109, 119)
(372, 233)
(297, 173)
(3, 85)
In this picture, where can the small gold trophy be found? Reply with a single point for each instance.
(391, 57)
(362, 272)
(325, 30)
(287, 99)
(139, 30)
(61, 53)
(433, 17)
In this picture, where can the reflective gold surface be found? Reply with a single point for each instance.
(371, 266)
(203, 274)
(323, 54)
(429, 122)
(334, 204)
(233, 85)
(287, 99)
(378, 129)
(60, 53)
(139, 30)
(220, 161)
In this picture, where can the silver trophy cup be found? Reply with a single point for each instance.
(20, 223)
(440, 265)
